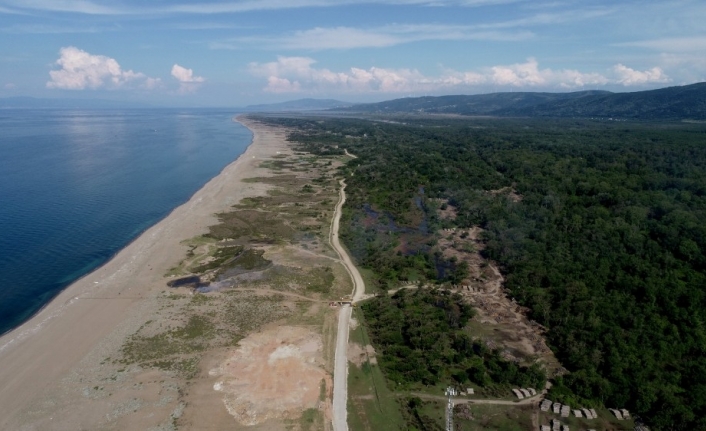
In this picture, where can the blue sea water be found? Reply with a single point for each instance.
(77, 186)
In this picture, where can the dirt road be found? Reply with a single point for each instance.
(340, 373)
(532, 400)
(358, 285)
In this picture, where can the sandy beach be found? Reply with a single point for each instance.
(101, 309)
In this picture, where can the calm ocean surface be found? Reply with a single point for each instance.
(77, 186)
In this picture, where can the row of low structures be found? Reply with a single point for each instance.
(557, 426)
(620, 414)
(524, 393)
(565, 410)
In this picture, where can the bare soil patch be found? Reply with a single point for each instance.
(509, 192)
(274, 374)
(500, 320)
(447, 211)
(358, 354)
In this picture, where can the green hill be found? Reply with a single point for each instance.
(672, 103)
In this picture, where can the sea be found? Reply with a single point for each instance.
(76, 186)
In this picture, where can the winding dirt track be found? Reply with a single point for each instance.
(358, 284)
(340, 373)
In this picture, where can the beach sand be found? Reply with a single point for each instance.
(95, 314)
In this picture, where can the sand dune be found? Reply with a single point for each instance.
(99, 309)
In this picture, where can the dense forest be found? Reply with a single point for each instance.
(607, 246)
(421, 334)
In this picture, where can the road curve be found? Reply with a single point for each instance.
(358, 284)
(340, 371)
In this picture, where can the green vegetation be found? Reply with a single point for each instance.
(607, 246)
(424, 415)
(499, 418)
(371, 403)
(673, 103)
(422, 340)
(220, 256)
(321, 280)
(171, 350)
(311, 419)
(205, 323)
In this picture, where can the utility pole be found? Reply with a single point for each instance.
(450, 392)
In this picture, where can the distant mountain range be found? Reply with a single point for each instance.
(672, 103)
(300, 105)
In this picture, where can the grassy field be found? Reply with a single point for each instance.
(371, 404)
(494, 418)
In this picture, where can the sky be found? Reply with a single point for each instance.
(239, 52)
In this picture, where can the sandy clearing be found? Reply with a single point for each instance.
(37, 355)
(280, 387)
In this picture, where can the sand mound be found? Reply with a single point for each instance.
(274, 374)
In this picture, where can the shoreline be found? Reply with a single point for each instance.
(42, 350)
(3, 335)
(128, 244)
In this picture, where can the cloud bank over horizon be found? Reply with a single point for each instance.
(298, 74)
(80, 70)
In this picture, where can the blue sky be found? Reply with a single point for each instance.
(238, 52)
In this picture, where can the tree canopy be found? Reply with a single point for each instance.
(606, 246)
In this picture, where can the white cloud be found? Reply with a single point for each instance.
(627, 76)
(185, 75)
(671, 44)
(9, 86)
(544, 19)
(298, 74)
(252, 5)
(187, 81)
(48, 29)
(528, 74)
(289, 74)
(74, 6)
(282, 85)
(321, 38)
(10, 11)
(691, 66)
(106, 7)
(334, 38)
(80, 70)
(205, 26)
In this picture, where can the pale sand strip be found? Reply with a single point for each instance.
(39, 353)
